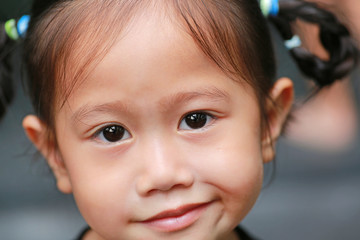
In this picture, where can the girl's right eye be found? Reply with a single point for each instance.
(112, 134)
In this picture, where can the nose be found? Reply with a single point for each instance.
(163, 168)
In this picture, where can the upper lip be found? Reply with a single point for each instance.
(176, 212)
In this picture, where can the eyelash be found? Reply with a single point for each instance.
(196, 116)
(112, 128)
(201, 120)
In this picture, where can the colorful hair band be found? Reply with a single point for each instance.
(269, 7)
(17, 29)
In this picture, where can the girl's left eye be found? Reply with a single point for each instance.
(112, 133)
(195, 120)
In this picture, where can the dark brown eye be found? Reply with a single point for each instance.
(113, 133)
(195, 121)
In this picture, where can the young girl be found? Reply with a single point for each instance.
(156, 115)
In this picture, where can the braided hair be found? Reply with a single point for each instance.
(335, 38)
(6, 88)
(7, 46)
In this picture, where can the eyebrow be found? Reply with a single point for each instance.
(88, 110)
(212, 94)
(167, 103)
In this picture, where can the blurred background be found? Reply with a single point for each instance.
(315, 193)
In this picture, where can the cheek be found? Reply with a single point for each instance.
(236, 170)
(237, 176)
(234, 154)
(101, 188)
(233, 167)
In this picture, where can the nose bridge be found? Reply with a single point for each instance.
(159, 158)
(163, 166)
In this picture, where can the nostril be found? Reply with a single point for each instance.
(175, 187)
(151, 183)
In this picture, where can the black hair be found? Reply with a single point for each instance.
(7, 46)
(54, 40)
(40, 6)
(6, 87)
(335, 38)
(333, 35)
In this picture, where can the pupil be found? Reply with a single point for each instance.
(114, 133)
(195, 120)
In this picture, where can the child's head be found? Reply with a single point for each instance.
(156, 115)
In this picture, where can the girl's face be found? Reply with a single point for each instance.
(159, 143)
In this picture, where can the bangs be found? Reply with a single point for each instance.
(67, 42)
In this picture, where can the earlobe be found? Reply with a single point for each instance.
(277, 111)
(36, 131)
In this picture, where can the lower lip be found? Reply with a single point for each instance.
(172, 224)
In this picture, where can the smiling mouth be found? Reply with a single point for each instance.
(176, 219)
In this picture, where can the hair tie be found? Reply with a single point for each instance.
(16, 30)
(22, 25)
(10, 29)
(294, 42)
(269, 7)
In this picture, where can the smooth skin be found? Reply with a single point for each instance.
(147, 88)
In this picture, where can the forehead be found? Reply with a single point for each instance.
(153, 49)
(84, 42)
(95, 35)
(156, 66)
(161, 42)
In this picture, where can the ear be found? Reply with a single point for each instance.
(36, 131)
(277, 110)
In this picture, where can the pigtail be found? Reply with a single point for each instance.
(335, 38)
(6, 87)
(11, 32)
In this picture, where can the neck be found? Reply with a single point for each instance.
(91, 235)
(233, 236)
